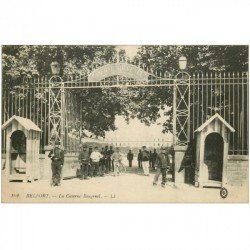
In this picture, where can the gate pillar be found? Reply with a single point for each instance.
(179, 177)
(181, 122)
(56, 110)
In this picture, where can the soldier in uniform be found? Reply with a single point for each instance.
(110, 161)
(90, 162)
(117, 159)
(150, 159)
(95, 162)
(57, 160)
(130, 157)
(84, 160)
(145, 161)
(102, 163)
(106, 149)
(154, 156)
(163, 164)
(139, 158)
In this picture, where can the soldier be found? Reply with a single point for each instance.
(84, 160)
(106, 149)
(145, 161)
(130, 157)
(154, 156)
(95, 162)
(150, 159)
(102, 162)
(57, 160)
(163, 164)
(90, 162)
(117, 159)
(110, 161)
(90, 150)
(139, 157)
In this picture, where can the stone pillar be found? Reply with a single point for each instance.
(179, 155)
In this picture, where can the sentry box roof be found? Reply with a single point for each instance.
(26, 123)
(211, 119)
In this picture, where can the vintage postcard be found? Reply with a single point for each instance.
(122, 124)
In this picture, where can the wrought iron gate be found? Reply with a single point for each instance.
(52, 105)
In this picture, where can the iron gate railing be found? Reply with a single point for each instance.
(224, 93)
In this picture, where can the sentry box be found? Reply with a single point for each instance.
(22, 149)
(212, 143)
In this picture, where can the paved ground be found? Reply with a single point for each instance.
(132, 186)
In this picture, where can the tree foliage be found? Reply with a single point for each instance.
(164, 59)
(100, 106)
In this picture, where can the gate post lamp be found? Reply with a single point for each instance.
(56, 105)
(182, 63)
(55, 68)
(181, 119)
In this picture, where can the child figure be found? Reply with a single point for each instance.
(117, 158)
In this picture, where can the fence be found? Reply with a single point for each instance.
(224, 93)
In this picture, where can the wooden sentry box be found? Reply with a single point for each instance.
(22, 149)
(212, 143)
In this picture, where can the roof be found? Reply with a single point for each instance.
(211, 119)
(26, 123)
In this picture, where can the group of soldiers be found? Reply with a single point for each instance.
(94, 163)
(152, 158)
(98, 163)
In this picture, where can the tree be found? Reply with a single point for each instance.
(100, 106)
(161, 59)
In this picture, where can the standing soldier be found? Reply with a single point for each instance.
(106, 149)
(57, 160)
(90, 162)
(117, 159)
(95, 162)
(154, 156)
(163, 164)
(130, 157)
(90, 151)
(110, 161)
(139, 158)
(84, 162)
(150, 159)
(145, 161)
(102, 162)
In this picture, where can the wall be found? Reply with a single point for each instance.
(71, 164)
(237, 170)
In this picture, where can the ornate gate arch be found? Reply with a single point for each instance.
(135, 77)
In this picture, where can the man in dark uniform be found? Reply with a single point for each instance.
(110, 162)
(84, 160)
(57, 160)
(163, 164)
(130, 157)
(150, 159)
(139, 159)
(89, 166)
(102, 163)
(106, 152)
(154, 156)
